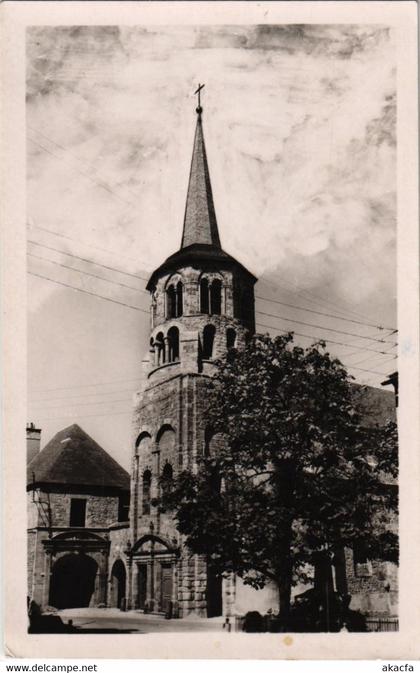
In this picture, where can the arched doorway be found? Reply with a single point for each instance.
(73, 581)
(214, 594)
(118, 583)
(154, 584)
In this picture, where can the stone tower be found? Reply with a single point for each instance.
(202, 302)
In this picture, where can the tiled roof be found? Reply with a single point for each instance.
(200, 225)
(73, 458)
(200, 237)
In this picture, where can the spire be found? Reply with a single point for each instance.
(200, 225)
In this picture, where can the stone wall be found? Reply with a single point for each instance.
(101, 511)
(235, 286)
(373, 586)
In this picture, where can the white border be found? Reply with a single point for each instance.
(15, 16)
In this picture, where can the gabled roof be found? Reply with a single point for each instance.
(73, 458)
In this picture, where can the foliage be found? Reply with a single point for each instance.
(298, 476)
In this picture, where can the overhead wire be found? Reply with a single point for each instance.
(84, 404)
(313, 298)
(89, 261)
(318, 338)
(137, 308)
(328, 315)
(87, 273)
(88, 164)
(329, 329)
(294, 306)
(100, 183)
(293, 320)
(81, 395)
(85, 243)
(92, 294)
(59, 418)
(86, 385)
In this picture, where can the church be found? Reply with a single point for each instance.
(202, 303)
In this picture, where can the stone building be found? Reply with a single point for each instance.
(202, 303)
(78, 496)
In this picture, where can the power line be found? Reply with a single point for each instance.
(312, 336)
(58, 418)
(84, 404)
(89, 261)
(328, 315)
(87, 273)
(87, 385)
(66, 149)
(370, 371)
(136, 308)
(371, 357)
(80, 242)
(93, 294)
(78, 397)
(313, 296)
(86, 175)
(329, 329)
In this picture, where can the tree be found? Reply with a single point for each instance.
(297, 478)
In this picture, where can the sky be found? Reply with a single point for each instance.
(299, 123)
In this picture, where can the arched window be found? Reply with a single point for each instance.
(208, 341)
(230, 338)
(204, 296)
(179, 302)
(216, 297)
(152, 351)
(171, 302)
(160, 349)
(147, 481)
(173, 344)
(214, 443)
(167, 479)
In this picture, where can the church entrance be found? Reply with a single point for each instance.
(142, 585)
(72, 581)
(118, 583)
(166, 587)
(214, 594)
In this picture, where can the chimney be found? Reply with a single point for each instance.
(33, 441)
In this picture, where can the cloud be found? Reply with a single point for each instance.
(299, 123)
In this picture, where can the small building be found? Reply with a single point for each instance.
(78, 497)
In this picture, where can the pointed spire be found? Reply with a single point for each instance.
(200, 225)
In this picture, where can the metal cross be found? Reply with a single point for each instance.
(200, 86)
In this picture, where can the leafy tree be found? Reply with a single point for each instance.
(298, 476)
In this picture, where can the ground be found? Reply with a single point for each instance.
(112, 619)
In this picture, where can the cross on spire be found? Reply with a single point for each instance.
(200, 224)
(199, 109)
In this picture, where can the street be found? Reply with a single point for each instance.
(111, 620)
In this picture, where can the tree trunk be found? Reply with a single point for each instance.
(284, 584)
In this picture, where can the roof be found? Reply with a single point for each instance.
(197, 254)
(73, 458)
(200, 225)
(200, 236)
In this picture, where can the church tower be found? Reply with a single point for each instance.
(202, 303)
